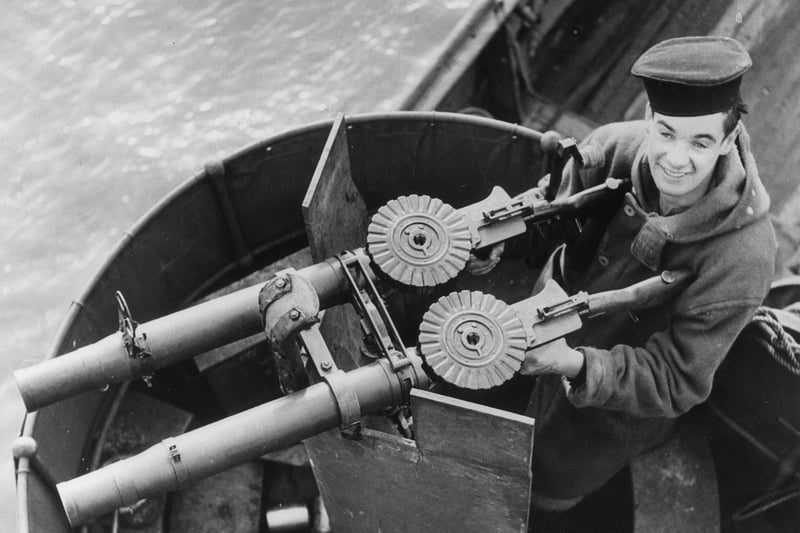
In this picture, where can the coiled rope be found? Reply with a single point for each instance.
(782, 347)
(776, 340)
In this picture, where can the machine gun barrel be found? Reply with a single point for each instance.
(168, 340)
(245, 436)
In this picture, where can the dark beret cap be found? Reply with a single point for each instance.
(690, 76)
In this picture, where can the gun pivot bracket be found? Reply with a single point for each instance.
(288, 305)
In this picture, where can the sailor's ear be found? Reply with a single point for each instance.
(730, 140)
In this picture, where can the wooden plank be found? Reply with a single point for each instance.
(449, 427)
(335, 217)
(469, 467)
(341, 329)
(334, 212)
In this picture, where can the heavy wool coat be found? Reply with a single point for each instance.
(644, 368)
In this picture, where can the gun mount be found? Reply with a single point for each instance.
(470, 339)
(287, 309)
(415, 240)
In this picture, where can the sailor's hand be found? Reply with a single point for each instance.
(553, 358)
(479, 267)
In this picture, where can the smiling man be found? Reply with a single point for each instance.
(684, 152)
(697, 202)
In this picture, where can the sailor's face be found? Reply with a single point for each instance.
(682, 152)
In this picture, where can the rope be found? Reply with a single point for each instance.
(776, 341)
(786, 352)
(764, 503)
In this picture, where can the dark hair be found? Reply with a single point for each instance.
(733, 115)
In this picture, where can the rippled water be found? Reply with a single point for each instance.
(109, 105)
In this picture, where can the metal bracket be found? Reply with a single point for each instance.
(576, 303)
(496, 218)
(179, 468)
(379, 324)
(346, 399)
(516, 208)
(288, 305)
(565, 149)
(317, 350)
(274, 289)
(369, 303)
(135, 345)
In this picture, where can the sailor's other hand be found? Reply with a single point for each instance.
(553, 358)
(479, 267)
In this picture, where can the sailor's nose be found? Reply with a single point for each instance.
(677, 157)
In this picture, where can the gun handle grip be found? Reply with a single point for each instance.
(643, 295)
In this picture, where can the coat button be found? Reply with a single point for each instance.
(628, 210)
(603, 260)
